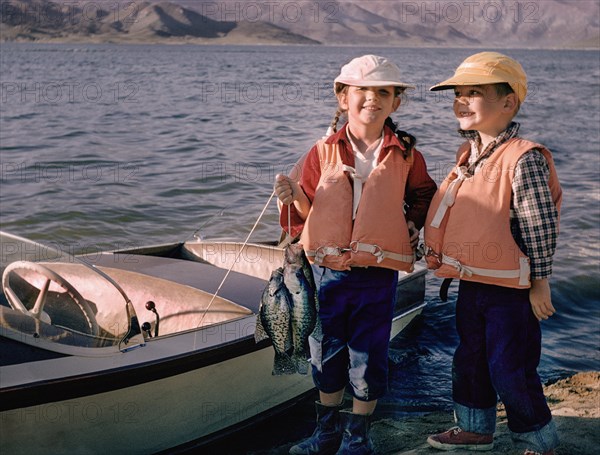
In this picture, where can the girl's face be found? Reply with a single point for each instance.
(368, 106)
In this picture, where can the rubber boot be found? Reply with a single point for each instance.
(356, 440)
(327, 436)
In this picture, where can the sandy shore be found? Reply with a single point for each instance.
(575, 405)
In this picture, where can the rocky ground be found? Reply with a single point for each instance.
(575, 405)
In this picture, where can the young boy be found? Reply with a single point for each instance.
(494, 223)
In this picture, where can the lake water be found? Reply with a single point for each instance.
(106, 146)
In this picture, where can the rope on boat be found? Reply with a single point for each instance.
(235, 261)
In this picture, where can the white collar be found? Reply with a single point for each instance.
(376, 147)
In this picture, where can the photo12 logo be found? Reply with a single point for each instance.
(66, 172)
(468, 11)
(270, 11)
(91, 252)
(67, 12)
(55, 92)
(75, 412)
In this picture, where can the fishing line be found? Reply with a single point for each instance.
(233, 264)
(197, 234)
(289, 220)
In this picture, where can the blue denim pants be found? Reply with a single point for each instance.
(498, 355)
(356, 309)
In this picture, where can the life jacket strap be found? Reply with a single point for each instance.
(355, 247)
(319, 254)
(357, 185)
(522, 273)
(450, 195)
(380, 254)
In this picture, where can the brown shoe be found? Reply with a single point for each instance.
(531, 452)
(455, 439)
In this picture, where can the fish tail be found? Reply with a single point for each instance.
(301, 363)
(283, 364)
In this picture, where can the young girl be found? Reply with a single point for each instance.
(359, 205)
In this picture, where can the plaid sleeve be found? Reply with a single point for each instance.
(535, 217)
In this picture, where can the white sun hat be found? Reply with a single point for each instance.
(370, 71)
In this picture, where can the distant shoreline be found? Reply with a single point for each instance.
(224, 42)
(548, 24)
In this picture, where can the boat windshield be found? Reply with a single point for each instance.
(50, 295)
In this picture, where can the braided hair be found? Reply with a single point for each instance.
(407, 140)
(339, 112)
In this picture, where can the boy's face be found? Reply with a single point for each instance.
(480, 108)
(369, 105)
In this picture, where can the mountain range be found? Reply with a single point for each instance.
(439, 23)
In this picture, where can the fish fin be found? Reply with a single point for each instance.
(283, 364)
(310, 278)
(288, 345)
(317, 332)
(301, 364)
(259, 332)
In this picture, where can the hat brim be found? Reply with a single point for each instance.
(466, 79)
(368, 83)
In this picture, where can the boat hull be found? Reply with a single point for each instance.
(156, 415)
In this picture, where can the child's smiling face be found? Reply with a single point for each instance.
(481, 108)
(369, 106)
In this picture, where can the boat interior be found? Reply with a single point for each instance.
(147, 293)
(179, 307)
(99, 301)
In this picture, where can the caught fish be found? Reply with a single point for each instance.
(274, 321)
(304, 320)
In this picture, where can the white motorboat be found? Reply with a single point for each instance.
(135, 351)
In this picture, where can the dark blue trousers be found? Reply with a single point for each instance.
(498, 355)
(356, 310)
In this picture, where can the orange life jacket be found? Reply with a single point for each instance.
(467, 231)
(379, 234)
